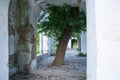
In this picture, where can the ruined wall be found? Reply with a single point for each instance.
(22, 32)
(26, 50)
(22, 35)
(13, 36)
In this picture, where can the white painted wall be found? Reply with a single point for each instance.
(61, 2)
(34, 10)
(91, 40)
(103, 21)
(84, 42)
(4, 39)
(108, 39)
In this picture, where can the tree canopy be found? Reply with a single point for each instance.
(55, 19)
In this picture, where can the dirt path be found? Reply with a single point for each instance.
(74, 69)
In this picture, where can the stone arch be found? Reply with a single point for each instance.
(74, 42)
(22, 31)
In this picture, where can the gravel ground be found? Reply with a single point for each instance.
(74, 69)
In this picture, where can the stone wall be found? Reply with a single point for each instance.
(13, 36)
(22, 19)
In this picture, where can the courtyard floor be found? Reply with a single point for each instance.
(74, 69)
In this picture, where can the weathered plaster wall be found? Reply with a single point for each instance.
(13, 36)
(22, 35)
(4, 4)
(79, 3)
(33, 9)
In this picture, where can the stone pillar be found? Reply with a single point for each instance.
(103, 40)
(13, 39)
(27, 12)
(4, 5)
(84, 42)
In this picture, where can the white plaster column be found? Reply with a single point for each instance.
(84, 42)
(4, 4)
(91, 40)
(69, 44)
(41, 43)
(51, 46)
(103, 39)
(45, 44)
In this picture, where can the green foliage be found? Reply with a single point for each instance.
(81, 54)
(55, 19)
(75, 45)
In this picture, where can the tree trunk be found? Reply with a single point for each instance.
(59, 57)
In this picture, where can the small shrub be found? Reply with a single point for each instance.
(81, 54)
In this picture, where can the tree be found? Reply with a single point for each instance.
(60, 22)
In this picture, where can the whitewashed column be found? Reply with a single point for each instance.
(84, 42)
(4, 39)
(91, 40)
(45, 44)
(41, 43)
(69, 44)
(51, 46)
(103, 21)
